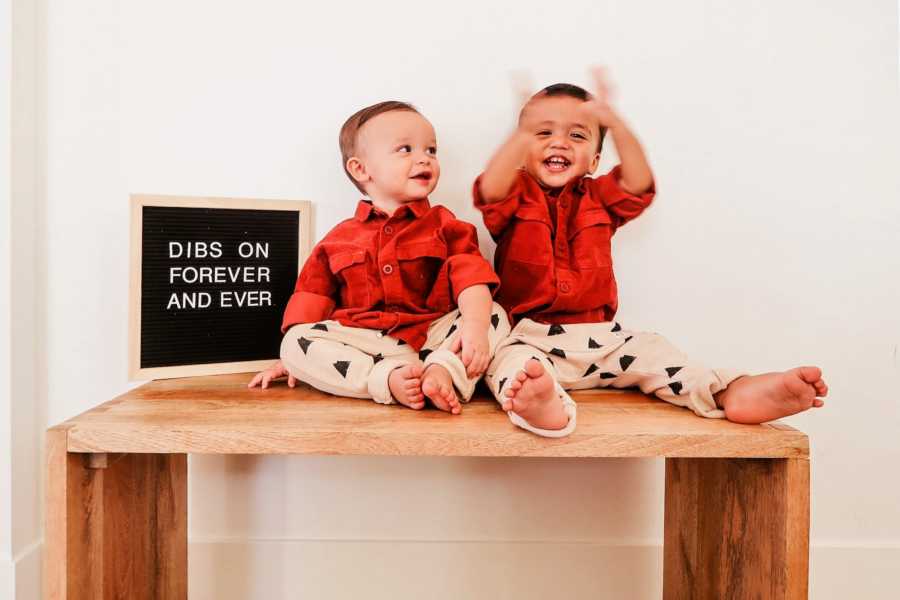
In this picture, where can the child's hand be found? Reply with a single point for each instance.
(473, 341)
(274, 372)
(600, 108)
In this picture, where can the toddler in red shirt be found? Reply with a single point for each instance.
(553, 224)
(393, 304)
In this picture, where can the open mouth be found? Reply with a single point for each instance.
(556, 164)
(424, 177)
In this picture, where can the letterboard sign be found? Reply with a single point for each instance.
(210, 278)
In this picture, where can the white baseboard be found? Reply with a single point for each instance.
(20, 577)
(238, 569)
(282, 569)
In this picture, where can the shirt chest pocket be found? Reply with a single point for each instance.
(420, 264)
(590, 239)
(352, 271)
(530, 241)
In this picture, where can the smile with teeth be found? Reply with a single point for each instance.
(556, 163)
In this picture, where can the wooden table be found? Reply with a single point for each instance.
(736, 508)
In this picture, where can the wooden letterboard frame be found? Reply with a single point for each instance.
(210, 278)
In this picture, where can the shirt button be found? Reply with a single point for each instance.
(387, 269)
(565, 287)
(388, 229)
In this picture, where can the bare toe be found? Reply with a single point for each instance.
(534, 368)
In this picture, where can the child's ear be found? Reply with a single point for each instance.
(595, 162)
(357, 169)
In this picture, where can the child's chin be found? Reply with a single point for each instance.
(556, 180)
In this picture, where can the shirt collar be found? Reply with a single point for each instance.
(365, 209)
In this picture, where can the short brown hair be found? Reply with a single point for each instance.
(350, 130)
(572, 91)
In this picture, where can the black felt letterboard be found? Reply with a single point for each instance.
(214, 283)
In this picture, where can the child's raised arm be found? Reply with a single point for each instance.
(636, 176)
(501, 171)
(500, 174)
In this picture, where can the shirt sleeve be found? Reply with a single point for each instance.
(497, 215)
(622, 205)
(314, 292)
(465, 265)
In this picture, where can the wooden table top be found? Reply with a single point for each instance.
(219, 415)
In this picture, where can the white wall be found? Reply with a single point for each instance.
(20, 412)
(772, 128)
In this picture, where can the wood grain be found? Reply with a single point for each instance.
(736, 529)
(219, 415)
(118, 531)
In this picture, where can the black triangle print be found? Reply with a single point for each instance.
(451, 330)
(495, 320)
(400, 342)
(424, 352)
(616, 327)
(628, 338)
(377, 358)
(556, 330)
(342, 366)
(672, 370)
(676, 387)
(384, 332)
(590, 370)
(626, 361)
(558, 352)
(304, 344)
(608, 375)
(320, 327)
(500, 387)
(593, 344)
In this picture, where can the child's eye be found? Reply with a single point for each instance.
(432, 150)
(404, 148)
(579, 136)
(543, 132)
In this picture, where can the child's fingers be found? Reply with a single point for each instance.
(467, 354)
(522, 85)
(456, 345)
(292, 381)
(482, 363)
(602, 87)
(255, 381)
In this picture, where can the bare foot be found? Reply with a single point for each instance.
(406, 386)
(770, 396)
(532, 395)
(437, 386)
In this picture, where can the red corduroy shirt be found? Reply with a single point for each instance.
(553, 250)
(395, 273)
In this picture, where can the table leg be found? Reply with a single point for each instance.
(115, 527)
(736, 528)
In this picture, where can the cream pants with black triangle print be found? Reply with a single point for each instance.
(598, 355)
(356, 362)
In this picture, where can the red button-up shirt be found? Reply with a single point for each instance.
(395, 273)
(553, 250)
